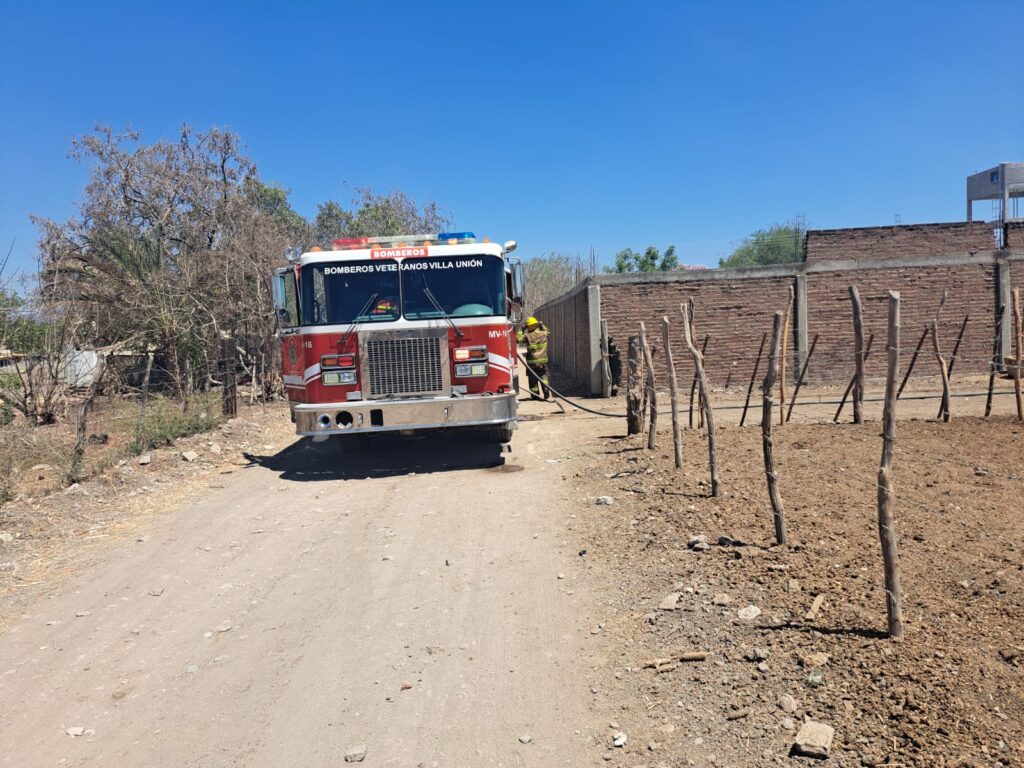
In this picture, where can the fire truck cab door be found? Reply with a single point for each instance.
(286, 300)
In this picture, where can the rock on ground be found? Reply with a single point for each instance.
(814, 739)
(749, 613)
(670, 601)
(355, 754)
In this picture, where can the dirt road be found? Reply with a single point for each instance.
(411, 604)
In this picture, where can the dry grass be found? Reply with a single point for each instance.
(36, 461)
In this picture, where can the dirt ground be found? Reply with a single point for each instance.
(951, 693)
(35, 461)
(275, 602)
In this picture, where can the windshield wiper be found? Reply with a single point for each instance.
(366, 306)
(437, 305)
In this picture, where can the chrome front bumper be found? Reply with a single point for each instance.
(320, 419)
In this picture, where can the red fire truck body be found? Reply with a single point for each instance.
(400, 334)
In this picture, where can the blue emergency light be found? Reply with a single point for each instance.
(460, 237)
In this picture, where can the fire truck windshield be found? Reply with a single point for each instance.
(340, 292)
(464, 286)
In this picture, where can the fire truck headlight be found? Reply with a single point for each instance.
(466, 370)
(334, 378)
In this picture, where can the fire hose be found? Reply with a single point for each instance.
(560, 396)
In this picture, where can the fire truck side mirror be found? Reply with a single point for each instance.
(285, 297)
(518, 288)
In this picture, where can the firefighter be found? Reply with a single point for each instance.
(536, 338)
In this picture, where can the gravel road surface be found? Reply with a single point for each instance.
(405, 598)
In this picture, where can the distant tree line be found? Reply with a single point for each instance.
(651, 260)
(778, 244)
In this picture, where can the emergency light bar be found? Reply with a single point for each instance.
(400, 241)
(453, 238)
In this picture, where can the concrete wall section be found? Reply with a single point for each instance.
(1016, 270)
(568, 319)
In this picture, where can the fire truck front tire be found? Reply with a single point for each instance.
(502, 434)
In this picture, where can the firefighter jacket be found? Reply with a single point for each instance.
(537, 345)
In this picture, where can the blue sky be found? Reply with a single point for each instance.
(564, 126)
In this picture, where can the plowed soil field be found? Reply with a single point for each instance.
(950, 693)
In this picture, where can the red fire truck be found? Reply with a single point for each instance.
(408, 333)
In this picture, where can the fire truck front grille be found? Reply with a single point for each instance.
(404, 366)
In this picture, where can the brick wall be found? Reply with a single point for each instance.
(898, 241)
(1013, 235)
(735, 307)
(971, 291)
(734, 313)
(1016, 281)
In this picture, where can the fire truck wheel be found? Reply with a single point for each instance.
(502, 434)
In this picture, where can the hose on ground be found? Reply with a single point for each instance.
(560, 396)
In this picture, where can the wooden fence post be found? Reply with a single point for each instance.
(995, 361)
(943, 370)
(229, 395)
(913, 359)
(642, 383)
(634, 422)
(606, 368)
(785, 349)
(858, 344)
(688, 308)
(695, 391)
(853, 379)
(705, 400)
(767, 407)
(673, 391)
(956, 351)
(1018, 334)
(78, 453)
(652, 395)
(753, 377)
(800, 379)
(140, 427)
(956, 346)
(886, 522)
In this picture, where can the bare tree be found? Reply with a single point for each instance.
(372, 214)
(173, 244)
(37, 341)
(550, 275)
